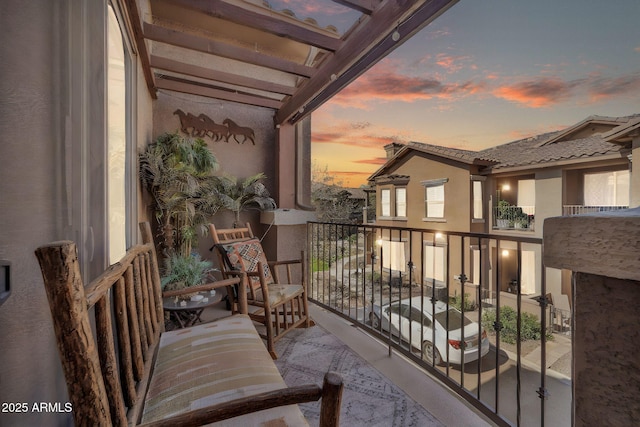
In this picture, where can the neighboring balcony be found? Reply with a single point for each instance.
(509, 217)
(579, 209)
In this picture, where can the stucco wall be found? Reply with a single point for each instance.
(238, 159)
(30, 370)
(46, 110)
(457, 210)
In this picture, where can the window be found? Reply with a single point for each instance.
(434, 202)
(477, 200)
(393, 255)
(528, 272)
(401, 202)
(606, 189)
(434, 263)
(434, 198)
(385, 202)
(527, 196)
(116, 142)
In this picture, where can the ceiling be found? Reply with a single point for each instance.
(249, 52)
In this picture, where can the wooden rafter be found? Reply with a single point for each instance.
(205, 45)
(270, 23)
(201, 90)
(167, 64)
(134, 18)
(363, 6)
(359, 53)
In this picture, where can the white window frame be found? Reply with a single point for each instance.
(401, 202)
(435, 263)
(393, 255)
(385, 202)
(437, 212)
(477, 198)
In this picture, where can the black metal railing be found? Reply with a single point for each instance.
(471, 309)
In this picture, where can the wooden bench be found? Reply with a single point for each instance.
(132, 372)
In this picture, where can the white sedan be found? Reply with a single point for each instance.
(412, 320)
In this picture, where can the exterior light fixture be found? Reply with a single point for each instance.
(439, 235)
(505, 253)
(506, 187)
(395, 36)
(379, 242)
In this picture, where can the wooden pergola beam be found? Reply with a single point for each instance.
(363, 6)
(179, 67)
(270, 23)
(359, 53)
(196, 89)
(141, 46)
(205, 45)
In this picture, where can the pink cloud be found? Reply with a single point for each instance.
(386, 84)
(548, 91)
(600, 88)
(452, 63)
(537, 93)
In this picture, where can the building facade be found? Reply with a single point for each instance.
(504, 191)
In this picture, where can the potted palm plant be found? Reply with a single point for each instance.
(178, 173)
(241, 195)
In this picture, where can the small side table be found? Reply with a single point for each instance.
(188, 314)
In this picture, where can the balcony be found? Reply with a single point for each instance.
(579, 209)
(359, 271)
(509, 217)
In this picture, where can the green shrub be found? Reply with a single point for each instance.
(184, 271)
(456, 302)
(530, 328)
(318, 265)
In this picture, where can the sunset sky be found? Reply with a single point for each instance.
(485, 73)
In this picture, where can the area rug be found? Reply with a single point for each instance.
(369, 398)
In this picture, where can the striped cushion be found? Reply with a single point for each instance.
(214, 363)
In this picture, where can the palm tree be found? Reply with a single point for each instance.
(178, 172)
(238, 196)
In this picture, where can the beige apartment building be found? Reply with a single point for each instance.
(505, 191)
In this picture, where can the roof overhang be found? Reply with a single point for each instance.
(244, 51)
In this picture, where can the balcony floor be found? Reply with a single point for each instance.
(394, 393)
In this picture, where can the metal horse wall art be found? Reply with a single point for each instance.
(202, 126)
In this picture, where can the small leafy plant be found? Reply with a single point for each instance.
(456, 301)
(184, 271)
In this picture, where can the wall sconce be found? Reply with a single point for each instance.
(439, 235)
(505, 253)
(506, 187)
(379, 242)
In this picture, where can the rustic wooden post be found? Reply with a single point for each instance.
(331, 400)
(65, 291)
(147, 238)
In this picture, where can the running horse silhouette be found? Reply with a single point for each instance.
(188, 120)
(236, 131)
(218, 131)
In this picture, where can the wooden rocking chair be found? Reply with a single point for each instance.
(279, 306)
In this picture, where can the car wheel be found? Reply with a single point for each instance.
(375, 320)
(430, 353)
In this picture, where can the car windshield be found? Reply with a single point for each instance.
(455, 319)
